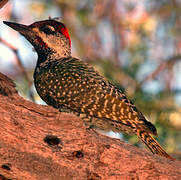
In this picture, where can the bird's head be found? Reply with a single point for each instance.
(46, 36)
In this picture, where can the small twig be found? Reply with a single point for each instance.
(160, 68)
(19, 62)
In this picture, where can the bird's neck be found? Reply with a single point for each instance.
(57, 52)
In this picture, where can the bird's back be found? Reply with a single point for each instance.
(73, 84)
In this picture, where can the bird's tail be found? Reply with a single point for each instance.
(152, 144)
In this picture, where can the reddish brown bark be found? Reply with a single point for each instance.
(2, 3)
(38, 142)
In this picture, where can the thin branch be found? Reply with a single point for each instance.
(165, 63)
(19, 63)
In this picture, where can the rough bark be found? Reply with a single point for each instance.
(38, 142)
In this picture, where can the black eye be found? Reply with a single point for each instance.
(47, 30)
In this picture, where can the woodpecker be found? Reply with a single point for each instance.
(71, 85)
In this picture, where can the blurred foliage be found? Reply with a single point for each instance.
(132, 43)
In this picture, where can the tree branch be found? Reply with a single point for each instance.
(165, 63)
(38, 142)
(20, 65)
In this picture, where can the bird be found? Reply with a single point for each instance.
(72, 85)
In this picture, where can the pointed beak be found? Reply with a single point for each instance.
(23, 29)
(26, 31)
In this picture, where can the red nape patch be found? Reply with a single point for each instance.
(66, 34)
(40, 41)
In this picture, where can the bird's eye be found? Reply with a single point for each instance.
(47, 30)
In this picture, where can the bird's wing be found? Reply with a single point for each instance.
(94, 95)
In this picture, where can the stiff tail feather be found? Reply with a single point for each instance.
(152, 144)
